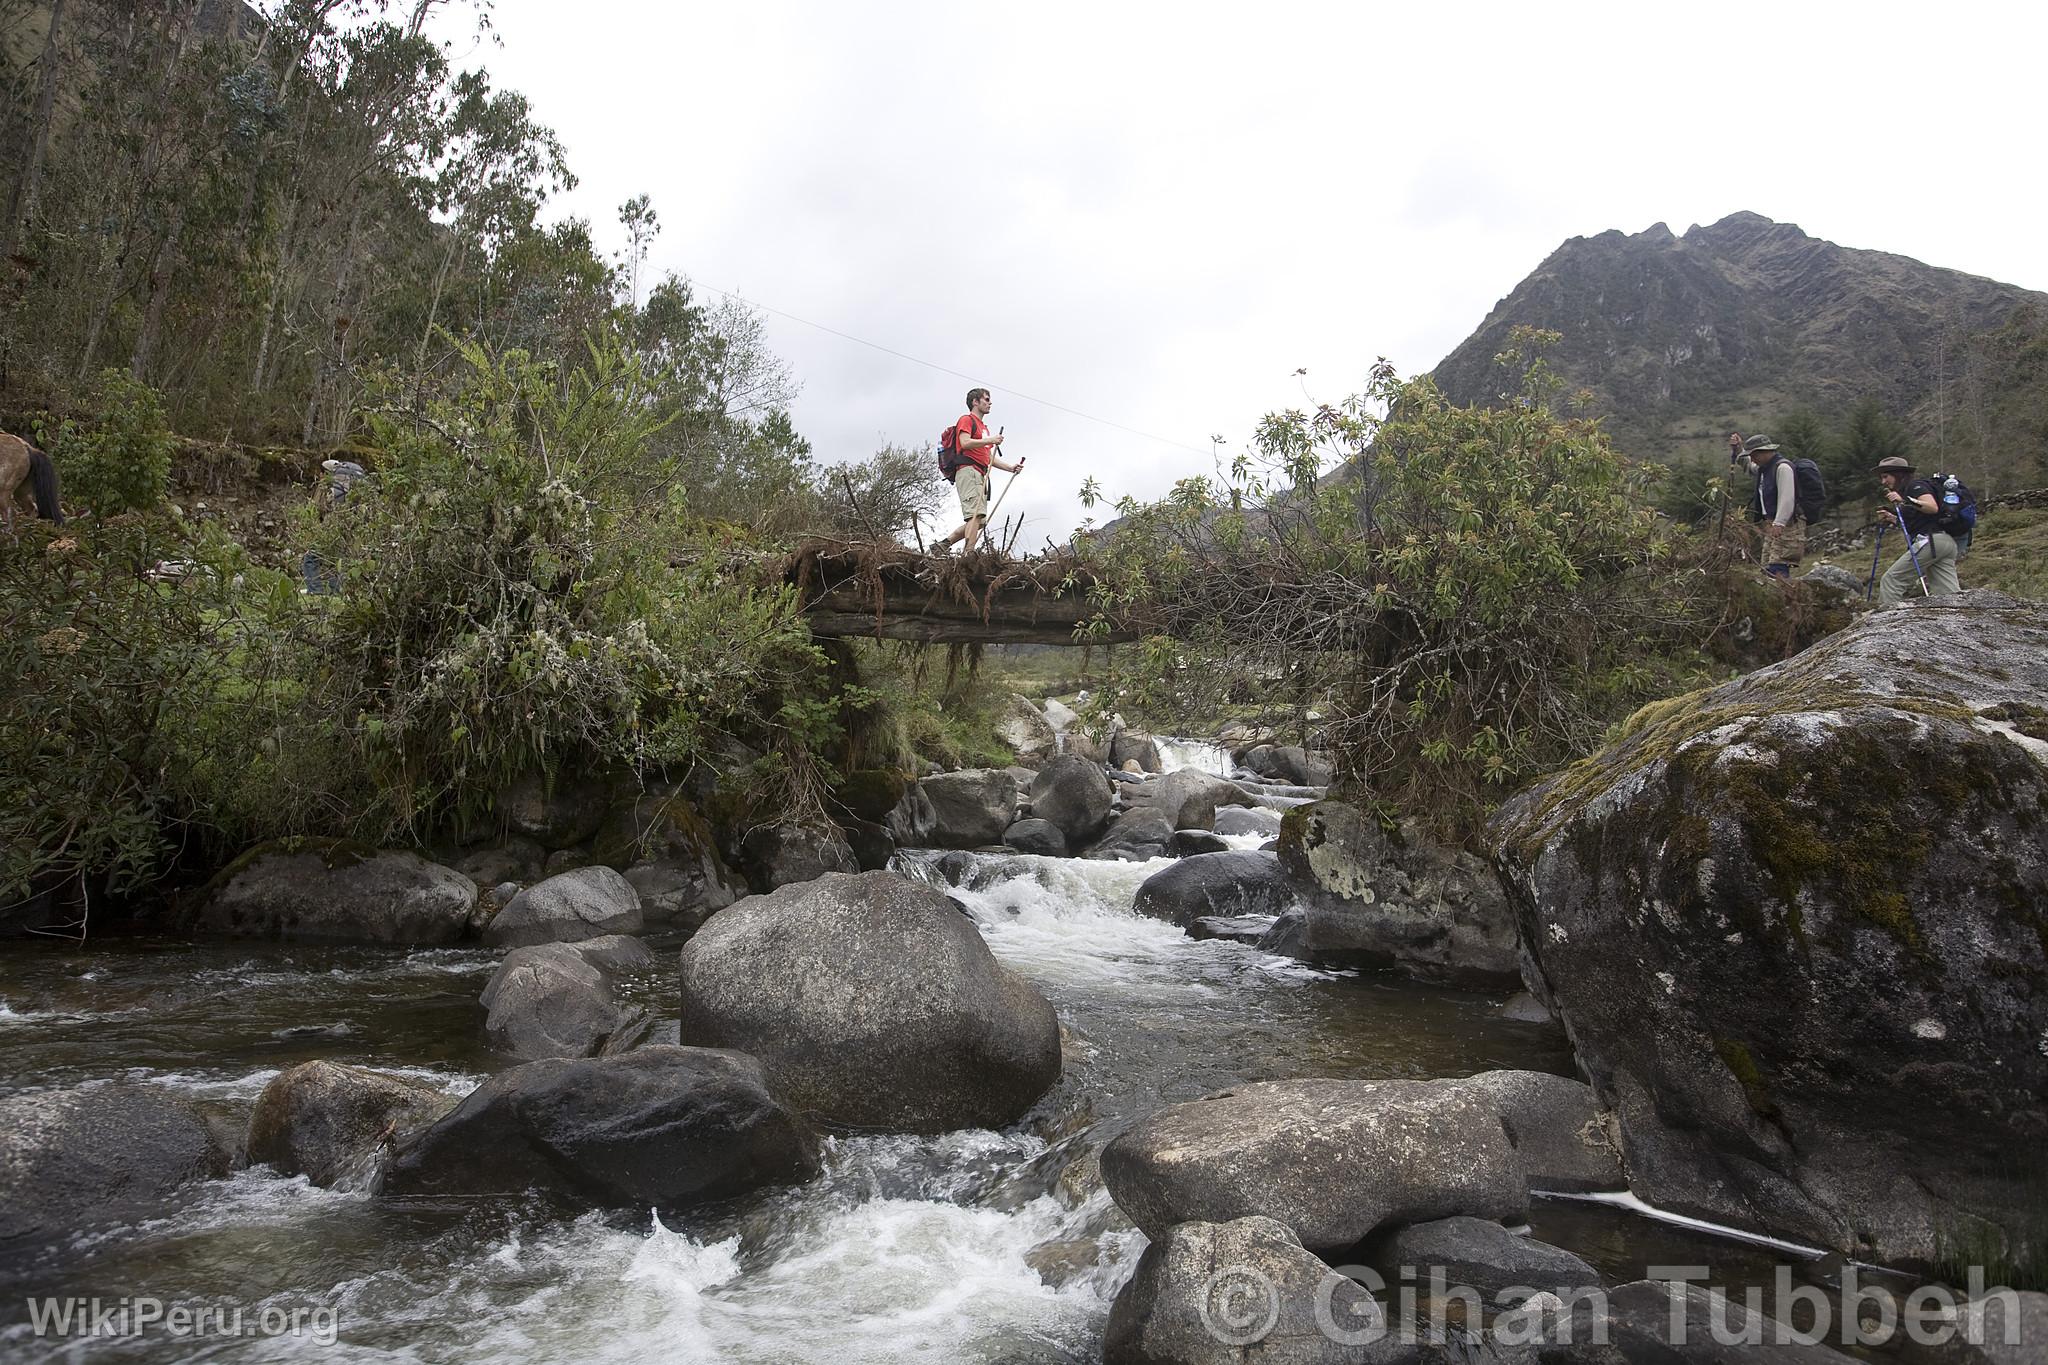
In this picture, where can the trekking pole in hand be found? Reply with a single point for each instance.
(1006, 487)
(1900, 517)
(1870, 583)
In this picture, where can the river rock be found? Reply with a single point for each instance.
(549, 1001)
(2002, 1329)
(914, 819)
(1481, 1254)
(1240, 1292)
(555, 814)
(1248, 820)
(1771, 909)
(1042, 837)
(664, 847)
(786, 853)
(1186, 843)
(871, 793)
(71, 1159)
(1397, 901)
(329, 1122)
(1835, 579)
(1029, 735)
(1332, 1159)
(1290, 763)
(1187, 797)
(1635, 1323)
(1563, 1138)
(1136, 836)
(873, 1003)
(1059, 715)
(1131, 746)
(1073, 793)
(660, 1126)
(510, 860)
(972, 808)
(1215, 884)
(334, 890)
(871, 845)
(585, 903)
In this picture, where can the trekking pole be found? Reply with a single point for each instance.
(1006, 487)
(1877, 551)
(1900, 517)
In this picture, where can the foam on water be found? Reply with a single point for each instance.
(1176, 753)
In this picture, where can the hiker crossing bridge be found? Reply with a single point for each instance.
(891, 592)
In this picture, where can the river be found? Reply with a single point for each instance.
(972, 1246)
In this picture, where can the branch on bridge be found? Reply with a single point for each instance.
(891, 592)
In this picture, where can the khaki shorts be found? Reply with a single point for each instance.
(971, 483)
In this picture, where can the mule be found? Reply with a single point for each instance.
(24, 470)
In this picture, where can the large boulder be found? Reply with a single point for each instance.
(669, 853)
(1793, 925)
(787, 853)
(586, 903)
(1290, 763)
(1399, 900)
(70, 1159)
(1074, 794)
(1334, 1160)
(1059, 715)
(1129, 746)
(1042, 837)
(1187, 797)
(1481, 1254)
(1258, 820)
(1029, 735)
(555, 813)
(1246, 1291)
(329, 1122)
(1563, 1138)
(660, 1126)
(972, 808)
(1136, 836)
(913, 821)
(548, 1000)
(334, 890)
(1216, 884)
(873, 1003)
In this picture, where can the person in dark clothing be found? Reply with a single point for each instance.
(1777, 507)
(1935, 550)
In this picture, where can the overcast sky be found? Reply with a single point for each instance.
(1155, 214)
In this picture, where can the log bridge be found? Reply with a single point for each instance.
(889, 592)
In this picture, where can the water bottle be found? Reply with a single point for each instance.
(1950, 496)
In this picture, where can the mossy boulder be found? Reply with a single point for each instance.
(1372, 897)
(1797, 927)
(336, 890)
(871, 793)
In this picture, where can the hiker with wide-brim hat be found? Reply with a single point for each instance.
(1777, 507)
(1930, 557)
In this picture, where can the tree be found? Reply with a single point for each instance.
(642, 227)
(883, 497)
(1870, 434)
(1481, 590)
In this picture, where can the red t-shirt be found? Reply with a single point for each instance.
(970, 425)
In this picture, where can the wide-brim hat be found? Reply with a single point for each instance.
(1893, 464)
(1758, 443)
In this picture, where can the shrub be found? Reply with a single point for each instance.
(120, 461)
(1474, 589)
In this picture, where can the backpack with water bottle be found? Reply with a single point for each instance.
(1958, 515)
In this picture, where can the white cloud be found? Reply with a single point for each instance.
(1156, 213)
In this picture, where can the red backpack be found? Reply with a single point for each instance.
(951, 461)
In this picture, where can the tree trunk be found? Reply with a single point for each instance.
(26, 189)
(159, 290)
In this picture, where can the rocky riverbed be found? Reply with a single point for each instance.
(1070, 1090)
